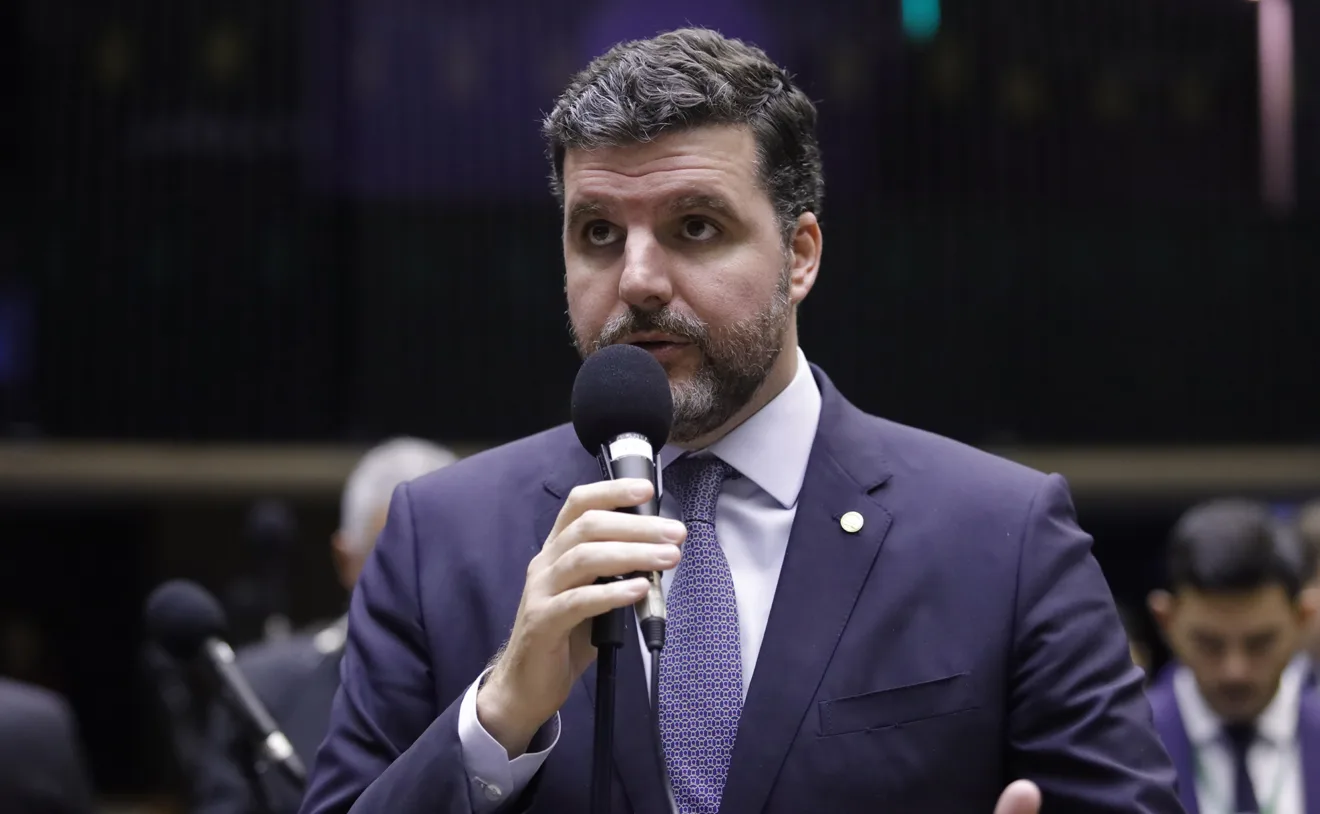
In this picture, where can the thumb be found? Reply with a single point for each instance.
(1021, 797)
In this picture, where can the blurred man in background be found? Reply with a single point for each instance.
(41, 758)
(296, 678)
(1234, 714)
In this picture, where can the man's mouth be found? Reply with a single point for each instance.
(656, 341)
(666, 348)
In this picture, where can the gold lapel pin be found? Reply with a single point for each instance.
(851, 522)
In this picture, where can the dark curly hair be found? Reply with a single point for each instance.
(689, 78)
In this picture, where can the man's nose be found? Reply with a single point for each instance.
(645, 281)
(1236, 666)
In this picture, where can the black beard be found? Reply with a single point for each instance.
(735, 360)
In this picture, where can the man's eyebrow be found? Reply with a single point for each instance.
(711, 203)
(585, 209)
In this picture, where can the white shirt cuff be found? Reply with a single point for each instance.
(494, 777)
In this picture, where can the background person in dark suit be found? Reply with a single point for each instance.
(1233, 709)
(864, 616)
(42, 769)
(296, 678)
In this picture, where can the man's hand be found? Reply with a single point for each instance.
(550, 646)
(1021, 797)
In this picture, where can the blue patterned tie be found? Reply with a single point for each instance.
(701, 666)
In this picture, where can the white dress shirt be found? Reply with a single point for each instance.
(1273, 761)
(753, 519)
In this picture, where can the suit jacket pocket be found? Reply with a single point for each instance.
(896, 706)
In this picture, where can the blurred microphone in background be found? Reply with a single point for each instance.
(256, 604)
(190, 625)
(295, 676)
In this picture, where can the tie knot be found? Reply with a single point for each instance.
(697, 482)
(1240, 736)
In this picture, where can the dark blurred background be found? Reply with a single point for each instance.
(241, 240)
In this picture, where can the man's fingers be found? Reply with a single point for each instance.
(606, 495)
(571, 608)
(1021, 797)
(602, 526)
(587, 562)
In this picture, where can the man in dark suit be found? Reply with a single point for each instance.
(864, 616)
(1233, 709)
(42, 769)
(296, 678)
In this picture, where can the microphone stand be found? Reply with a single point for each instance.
(176, 699)
(259, 760)
(607, 632)
(254, 772)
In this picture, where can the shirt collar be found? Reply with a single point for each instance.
(771, 448)
(1277, 724)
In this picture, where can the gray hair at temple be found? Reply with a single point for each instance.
(694, 77)
(374, 478)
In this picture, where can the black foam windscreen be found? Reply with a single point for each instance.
(181, 615)
(621, 389)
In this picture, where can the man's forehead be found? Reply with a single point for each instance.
(723, 149)
(1237, 610)
(693, 197)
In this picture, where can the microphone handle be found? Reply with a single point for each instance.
(651, 610)
(638, 466)
(275, 746)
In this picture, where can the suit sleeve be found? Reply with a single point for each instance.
(45, 766)
(388, 746)
(1079, 722)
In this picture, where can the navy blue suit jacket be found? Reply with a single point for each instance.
(963, 638)
(42, 766)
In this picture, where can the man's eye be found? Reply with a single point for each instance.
(600, 233)
(699, 229)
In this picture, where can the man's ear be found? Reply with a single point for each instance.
(343, 560)
(1161, 604)
(1308, 603)
(804, 265)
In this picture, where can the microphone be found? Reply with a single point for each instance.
(186, 620)
(622, 412)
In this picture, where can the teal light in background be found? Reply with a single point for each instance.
(921, 19)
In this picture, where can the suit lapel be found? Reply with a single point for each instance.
(1164, 676)
(635, 749)
(823, 573)
(1308, 734)
(578, 468)
(1172, 730)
